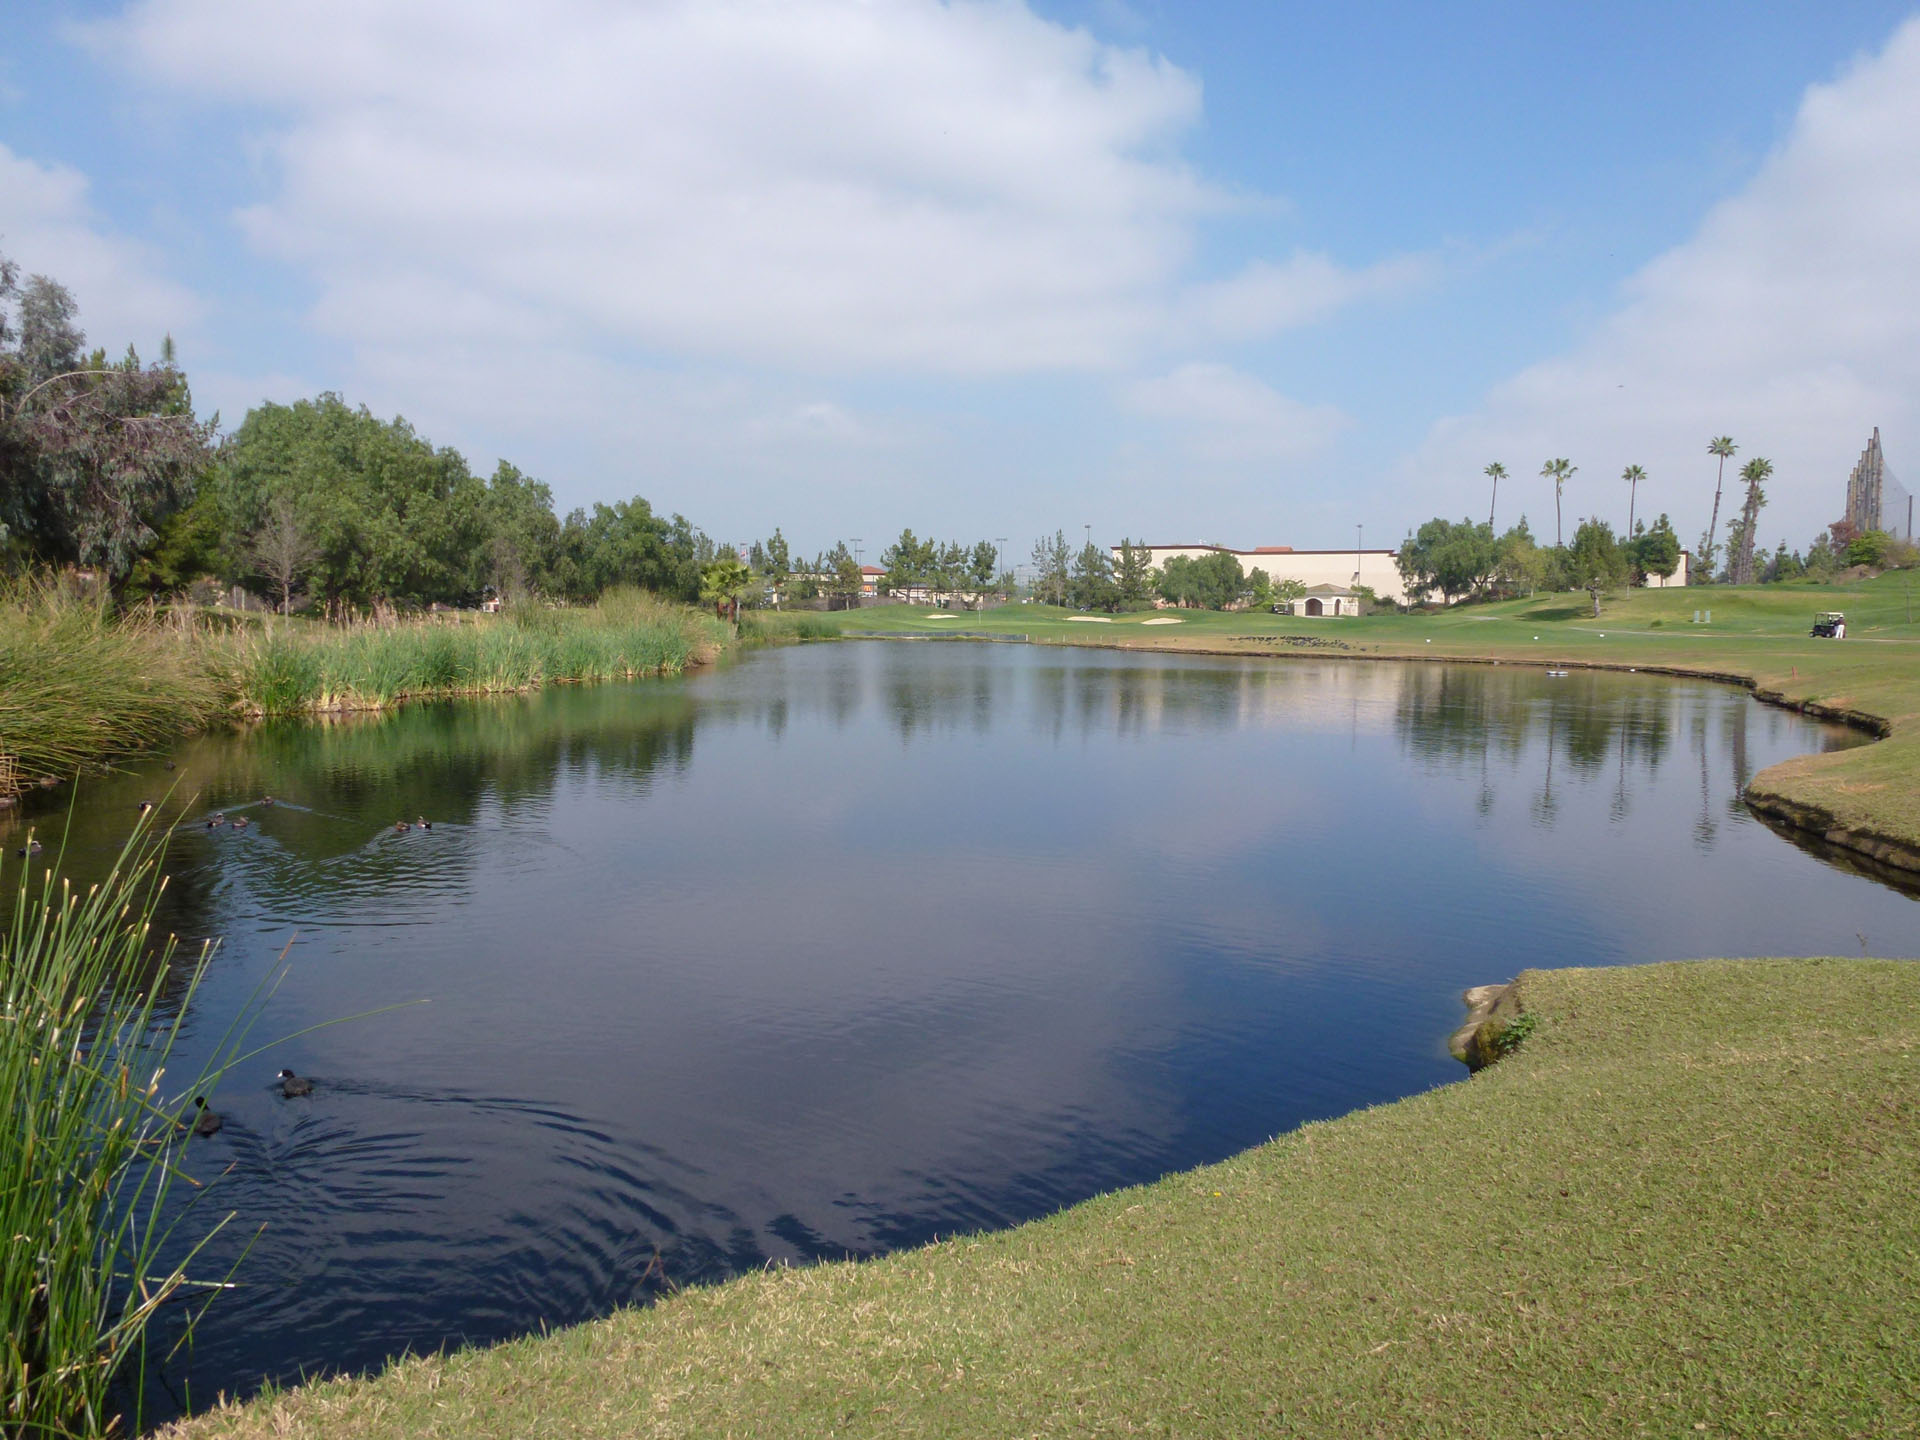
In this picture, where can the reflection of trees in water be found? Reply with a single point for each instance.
(1462, 720)
(1704, 829)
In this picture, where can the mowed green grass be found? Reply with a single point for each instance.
(1685, 1206)
(1757, 634)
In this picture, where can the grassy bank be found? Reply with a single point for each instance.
(78, 683)
(1868, 797)
(1683, 1206)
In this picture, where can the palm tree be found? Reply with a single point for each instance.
(1723, 446)
(1753, 472)
(1633, 475)
(1558, 471)
(1496, 472)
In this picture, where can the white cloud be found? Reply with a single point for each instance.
(1227, 415)
(49, 227)
(1790, 320)
(1266, 298)
(842, 184)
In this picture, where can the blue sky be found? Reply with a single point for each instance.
(1251, 273)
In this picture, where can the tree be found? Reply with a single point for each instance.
(1287, 591)
(1495, 472)
(1052, 567)
(779, 565)
(1655, 551)
(1594, 562)
(985, 561)
(1134, 575)
(94, 455)
(908, 562)
(1519, 561)
(724, 582)
(281, 549)
(1558, 471)
(1259, 589)
(1633, 475)
(1722, 446)
(1454, 559)
(1753, 472)
(1870, 548)
(1210, 582)
(523, 535)
(1092, 586)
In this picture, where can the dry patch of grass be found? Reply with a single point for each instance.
(1683, 1206)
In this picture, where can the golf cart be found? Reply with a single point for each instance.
(1830, 625)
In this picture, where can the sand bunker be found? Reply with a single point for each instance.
(1089, 620)
(939, 615)
(1163, 620)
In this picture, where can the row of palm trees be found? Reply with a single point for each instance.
(1753, 472)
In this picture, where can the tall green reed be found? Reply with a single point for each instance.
(91, 1008)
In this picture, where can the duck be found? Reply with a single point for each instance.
(145, 806)
(214, 822)
(400, 827)
(266, 800)
(208, 1121)
(424, 823)
(292, 1084)
(240, 822)
(32, 847)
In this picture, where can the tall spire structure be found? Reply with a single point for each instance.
(1866, 487)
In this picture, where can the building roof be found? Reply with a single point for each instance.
(1327, 590)
(871, 570)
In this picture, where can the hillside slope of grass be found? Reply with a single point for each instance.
(1684, 1206)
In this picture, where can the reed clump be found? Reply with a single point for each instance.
(90, 1010)
(298, 669)
(78, 681)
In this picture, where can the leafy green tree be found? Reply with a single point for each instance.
(1207, 582)
(1655, 551)
(1558, 471)
(1723, 447)
(1822, 561)
(1870, 548)
(1520, 562)
(627, 544)
(1454, 559)
(523, 534)
(393, 517)
(1753, 472)
(1785, 565)
(1289, 591)
(1259, 589)
(1594, 562)
(1633, 475)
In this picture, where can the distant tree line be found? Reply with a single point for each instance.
(104, 466)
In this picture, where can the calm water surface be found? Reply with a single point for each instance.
(843, 947)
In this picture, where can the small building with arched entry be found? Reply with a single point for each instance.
(1327, 600)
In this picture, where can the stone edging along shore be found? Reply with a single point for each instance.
(1898, 852)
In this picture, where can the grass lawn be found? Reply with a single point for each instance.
(1684, 1206)
(1758, 635)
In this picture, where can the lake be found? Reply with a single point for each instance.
(840, 948)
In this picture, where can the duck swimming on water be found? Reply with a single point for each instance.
(292, 1085)
(32, 847)
(145, 806)
(240, 822)
(214, 822)
(424, 823)
(400, 827)
(208, 1122)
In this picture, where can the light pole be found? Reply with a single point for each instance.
(856, 549)
(1359, 535)
(1000, 552)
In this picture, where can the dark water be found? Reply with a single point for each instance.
(844, 947)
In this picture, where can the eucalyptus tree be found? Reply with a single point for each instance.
(1722, 446)
(1558, 471)
(1633, 475)
(1753, 472)
(1495, 472)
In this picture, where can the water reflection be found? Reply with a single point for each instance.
(915, 939)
